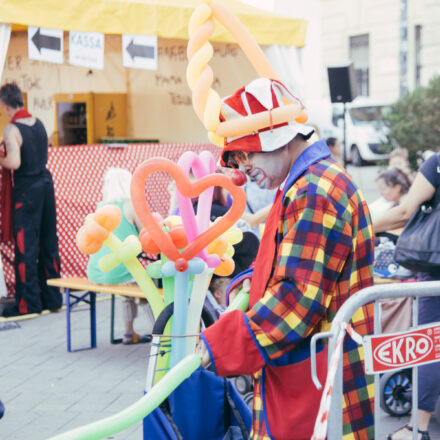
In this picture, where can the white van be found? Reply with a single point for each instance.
(365, 129)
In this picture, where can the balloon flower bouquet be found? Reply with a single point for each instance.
(190, 248)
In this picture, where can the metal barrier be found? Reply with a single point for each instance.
(344, 315)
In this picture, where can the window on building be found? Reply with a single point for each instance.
(417, 52)
(359, 54)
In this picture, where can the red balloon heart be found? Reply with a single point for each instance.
(188, 189)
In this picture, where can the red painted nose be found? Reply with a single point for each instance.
(239, 178)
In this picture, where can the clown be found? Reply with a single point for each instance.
(316, 251)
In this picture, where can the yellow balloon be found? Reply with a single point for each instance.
(201, 14)
(212, 110)
(215, 139)
(230, 251)
(197, 63)
(218, 246)
(173, 220)
(234, 235)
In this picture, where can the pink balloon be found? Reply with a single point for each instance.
(201, 166)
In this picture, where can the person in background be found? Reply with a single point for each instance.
(393, 185)
(399, 158)
(258, 204)
(215, 296)
(316, 251)
(116, 191)
(334, 146)
(33, 208)
(426, 186)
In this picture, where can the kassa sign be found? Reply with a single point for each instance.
(402, 350)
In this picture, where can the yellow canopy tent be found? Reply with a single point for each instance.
(164, 18)
(158, 102)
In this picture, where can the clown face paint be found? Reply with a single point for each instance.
(258, 176)
(267, 170)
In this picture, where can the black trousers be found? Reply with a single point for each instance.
(36, 245)
(429, 375)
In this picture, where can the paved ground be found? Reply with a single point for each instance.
(365, 178)
(47, 390)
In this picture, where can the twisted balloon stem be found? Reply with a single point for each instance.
(199, 74)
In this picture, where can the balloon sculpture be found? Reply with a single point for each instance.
(188, 244)
(200, 76)
(190, 247)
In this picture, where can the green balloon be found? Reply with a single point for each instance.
(155, 269)
(240, 302)
(136, 412)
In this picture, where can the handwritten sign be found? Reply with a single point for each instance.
(45, 44)
(139, 51)
(402, 350)
(86, 49)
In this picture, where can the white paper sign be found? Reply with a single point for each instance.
(45, 44)
(86, 49)
(139, 51)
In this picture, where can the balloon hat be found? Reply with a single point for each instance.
(200, 76)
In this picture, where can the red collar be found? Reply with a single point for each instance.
(21, 114)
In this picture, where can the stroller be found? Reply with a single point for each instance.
(396, 394)
(203, 406)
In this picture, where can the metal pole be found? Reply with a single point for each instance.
(345, 138)
(345, 313)
(403, 48)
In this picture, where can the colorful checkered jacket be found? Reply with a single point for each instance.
(324, 254)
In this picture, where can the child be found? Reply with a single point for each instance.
(116, 191)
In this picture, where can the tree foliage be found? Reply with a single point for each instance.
(414, 120)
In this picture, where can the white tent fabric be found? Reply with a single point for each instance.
(5, 35)
(286, 60)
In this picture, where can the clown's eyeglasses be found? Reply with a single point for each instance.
(237, 158)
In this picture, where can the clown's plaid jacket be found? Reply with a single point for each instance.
(324, 255)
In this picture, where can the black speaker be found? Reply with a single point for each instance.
(342, 83)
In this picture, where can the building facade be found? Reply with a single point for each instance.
(394, 44)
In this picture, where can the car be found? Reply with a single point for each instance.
(365, 130)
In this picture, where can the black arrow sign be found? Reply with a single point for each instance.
(46, 41)
(136, 50)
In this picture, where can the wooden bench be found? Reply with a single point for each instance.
(88, 295)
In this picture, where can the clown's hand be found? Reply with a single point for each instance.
(203, 352)
(245, 285)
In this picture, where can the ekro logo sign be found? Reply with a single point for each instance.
(403, 350)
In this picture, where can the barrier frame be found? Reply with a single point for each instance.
(344, 315)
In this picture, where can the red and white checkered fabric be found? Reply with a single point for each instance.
(78, 176)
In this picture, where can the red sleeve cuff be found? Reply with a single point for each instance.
(232, 347)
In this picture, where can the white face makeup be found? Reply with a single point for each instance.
(267, 170)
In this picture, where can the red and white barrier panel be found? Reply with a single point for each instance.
(402, 350)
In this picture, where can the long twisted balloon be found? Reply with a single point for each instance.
(200, 76)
